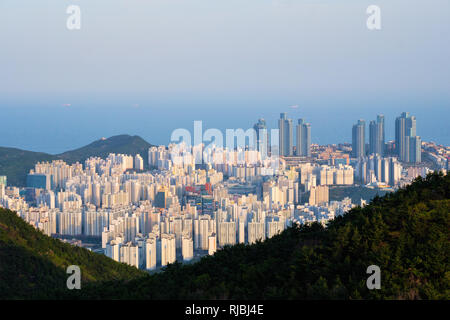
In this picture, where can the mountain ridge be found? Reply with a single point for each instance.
(15, 163)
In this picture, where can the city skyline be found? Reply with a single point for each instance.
(223, 79)
(325, 131)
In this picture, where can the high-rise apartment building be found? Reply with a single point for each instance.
(303, 139)
(161, 198)
(395, 171)
(212, 244)
(318, 195)
(187, 248)
(129, 254)
(262, 137)
(376, 136)
(205, 228)
(359, 139)
(2, 191)
(150, 252)
(384, 170)
(407, 144)
(415, 149)
(256, 231)
(138, 162)
(285, 135)
(168, 249)
(226, 233)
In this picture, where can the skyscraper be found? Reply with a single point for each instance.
(303, 139)
(262, 138)
(285, 135)
(415, 149)
(376, 136)
(359, 139)
(407, 144)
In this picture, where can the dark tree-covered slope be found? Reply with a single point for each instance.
(405, 233)
(33, 265)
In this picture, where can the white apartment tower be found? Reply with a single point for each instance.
(187, 248)
(150, 252)
(138, 162)
(168, 249)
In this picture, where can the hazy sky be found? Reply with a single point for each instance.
(263, 55)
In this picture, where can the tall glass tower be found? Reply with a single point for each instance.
(376, 136)
(303, 139)
(359, 139)
(285, 135)
(262, 138)
(407, 144)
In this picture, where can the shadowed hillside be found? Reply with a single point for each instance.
(16, 163)
(33, 265)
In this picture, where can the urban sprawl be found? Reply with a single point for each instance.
(174, 208)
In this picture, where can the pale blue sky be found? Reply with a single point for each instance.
(264, 55)
(224, 46)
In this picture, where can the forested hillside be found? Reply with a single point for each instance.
(405, 233)
(33, 265)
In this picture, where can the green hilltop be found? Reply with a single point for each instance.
(405, 233)
(16, 163)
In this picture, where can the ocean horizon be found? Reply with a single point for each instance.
(61, 124)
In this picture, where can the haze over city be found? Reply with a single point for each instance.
(148, 68)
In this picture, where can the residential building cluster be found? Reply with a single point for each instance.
(189, 201)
